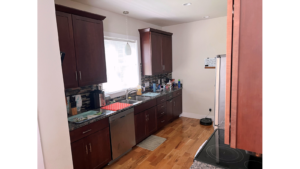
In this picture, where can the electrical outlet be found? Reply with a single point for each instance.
(146, 84)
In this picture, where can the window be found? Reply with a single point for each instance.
(122, 70)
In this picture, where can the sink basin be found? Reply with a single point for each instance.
(130, 101)
(151, 94)
(140, 98)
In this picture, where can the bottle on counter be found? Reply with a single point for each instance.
(154, 87)
(179, 85)
(139, 90)
(73, 106)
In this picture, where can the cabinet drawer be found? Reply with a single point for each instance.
(177, 93)
(144, 106)
(161, 99)
(169, 96)
(161, 109)
(162, 121)
(88, 129)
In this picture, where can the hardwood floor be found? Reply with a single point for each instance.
(184, 137)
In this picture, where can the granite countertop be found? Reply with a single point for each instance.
(200, 165)
(108, 113)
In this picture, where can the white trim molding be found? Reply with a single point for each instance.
(195, 116)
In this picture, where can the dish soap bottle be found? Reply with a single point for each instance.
(139, 90)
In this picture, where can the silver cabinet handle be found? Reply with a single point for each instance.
(80, 75)
(76, 75)
(87, 152)
(86, 131)
(163, 67)
(163, 113)
(90, 148)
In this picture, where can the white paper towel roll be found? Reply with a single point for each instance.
(78, 102)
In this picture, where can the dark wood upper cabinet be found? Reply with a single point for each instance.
(157, 63)
(243, 106)
(66, 45)
(81, 39)
(156, 51)
(89, 47)
(166, 42)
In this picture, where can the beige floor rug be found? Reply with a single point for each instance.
(152, 142)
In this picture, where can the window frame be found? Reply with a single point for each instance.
(130, 38)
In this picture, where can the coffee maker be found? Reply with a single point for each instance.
(97, 98)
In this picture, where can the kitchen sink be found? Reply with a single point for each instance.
(140, 98)
(130, 101)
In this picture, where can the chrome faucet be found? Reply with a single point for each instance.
(128, 91)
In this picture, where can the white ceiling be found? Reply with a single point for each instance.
(163, 12)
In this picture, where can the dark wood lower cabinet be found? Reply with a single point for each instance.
(99, 148)
(177, 106)
(79, 154)
(140, 126)
(151, 121)
(169, 110)
(93, 151)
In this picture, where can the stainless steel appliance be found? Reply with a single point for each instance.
(219, 121)
(122, 133)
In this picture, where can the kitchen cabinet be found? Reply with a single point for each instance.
(243, 100)
(92, 151)
(156, 51)
(90, 145)
(81, 39)
(177, 106)
(150, 121)
(145, 124)
(169, 110)
(66, 45)
(140, 126)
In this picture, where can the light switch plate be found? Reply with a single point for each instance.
(146, 84)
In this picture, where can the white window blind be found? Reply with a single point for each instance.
(122, 70)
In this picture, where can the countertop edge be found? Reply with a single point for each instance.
(73, 126)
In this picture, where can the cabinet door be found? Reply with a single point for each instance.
(167, 53)
(246, 74)
(79, 154)
(177, 106)
(156, 53)
(99, 149)
(89, 46)
(169, 109)
(151, 121)
(140, 126)
(66, 45)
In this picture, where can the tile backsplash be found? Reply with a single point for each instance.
(85, 91)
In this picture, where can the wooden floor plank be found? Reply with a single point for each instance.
(184, 137)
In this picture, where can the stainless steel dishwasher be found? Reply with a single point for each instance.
(122, 133)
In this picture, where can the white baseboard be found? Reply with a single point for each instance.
(195, 116)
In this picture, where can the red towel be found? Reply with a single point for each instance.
(116, 106)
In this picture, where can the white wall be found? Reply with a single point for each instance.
(113, 23)
(52, 113)
(192, 43)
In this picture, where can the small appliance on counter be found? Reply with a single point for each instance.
(97, 98)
